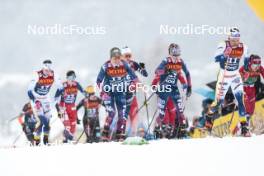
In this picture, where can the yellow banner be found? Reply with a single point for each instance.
(225, 125)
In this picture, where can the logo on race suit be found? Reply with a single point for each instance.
(45, 80)
(119, 71)
(70, 89)
(90, 104)
(236, 52)
(174, 66)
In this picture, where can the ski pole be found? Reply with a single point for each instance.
(149, 124)
(79, 138)
(145, 102)
(17, 138)
(145, 96)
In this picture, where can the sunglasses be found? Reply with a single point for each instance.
(127, 55)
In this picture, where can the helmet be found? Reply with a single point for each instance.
(115, 52)
(89, 89)
(234, 33)
(47, 64)
(174, 50)
(254, 62)
(71, 75)
(126, 50)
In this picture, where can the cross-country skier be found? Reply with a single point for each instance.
(131, 99)
(167, 75)
(28, 122)
(250, 73)
(112, 82)
(39, 95)
(170, 114)
(91, 104)
(228, 55)
(67, 107)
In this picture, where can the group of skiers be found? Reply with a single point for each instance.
(120, 71)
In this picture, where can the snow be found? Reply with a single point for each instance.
(209, 156)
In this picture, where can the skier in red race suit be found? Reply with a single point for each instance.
(67, 107)
(131, 99)
(250, 73)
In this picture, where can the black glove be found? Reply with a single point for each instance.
(142, 65)
(78, 121)
(189, 91)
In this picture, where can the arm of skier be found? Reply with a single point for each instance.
(31, 87)
(188, 78)
(100, 77)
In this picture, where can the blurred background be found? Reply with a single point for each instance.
(126, 23)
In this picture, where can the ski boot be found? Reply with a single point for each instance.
(121, 128)
(182, 134)
(96, 134)
(120, 136)
(245, 130)
(89, 139)
(67, 136)
(180, 130)
(37, 140)
(105, 134)
(46, 139)
(169, 131)
(157, 132)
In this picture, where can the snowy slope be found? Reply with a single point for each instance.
(209, 156)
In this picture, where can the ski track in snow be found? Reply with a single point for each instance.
(208, 156)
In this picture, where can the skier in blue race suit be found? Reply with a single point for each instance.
(167, 75)
(228, 55)
(39, 94)
(113, 91)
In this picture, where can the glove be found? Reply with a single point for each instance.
(78, 121)
(60, 115)
(189, 91)
(142, 65)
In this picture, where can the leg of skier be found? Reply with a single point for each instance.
(46, 104)
(72, 116)
(162, 102)
(111, 111)
(222, 86)
(237, 88)
(86, 128)
(180, 126)
(133, 115)
(120, 101)
(96, 129)
(40, 115)
(249, 100)
(129, 100)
